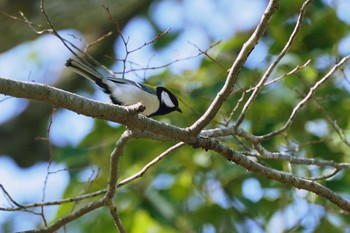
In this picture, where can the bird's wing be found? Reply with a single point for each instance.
(92, 74)
(129, 82)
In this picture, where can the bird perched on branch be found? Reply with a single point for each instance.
(158, 101)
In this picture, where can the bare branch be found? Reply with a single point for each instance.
(205, 52)
(59, 98)
(69, 218)
(143, 127)
(60, 202)
(151, 41)
(53, 30)
(227, 122)
(117, 221)
(138, 67)
(113, 177)
(312, 91)
(325, 176)
(20, 207)
(126, 42)
(293, 71)
(268, 72)
(270, 173)
(328, 118)
(36, 28)
(223, 94)
(101, 192)
(150, 164)
(298, 161)
(119, 114)
(48, 165)
(98, 40)
(333, 123)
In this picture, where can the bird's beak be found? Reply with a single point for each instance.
(178, 109)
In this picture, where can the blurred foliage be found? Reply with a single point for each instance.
(197, 191)
(74, 17)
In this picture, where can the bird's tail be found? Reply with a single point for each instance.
(84, 70)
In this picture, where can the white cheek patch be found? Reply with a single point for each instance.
(165, 98)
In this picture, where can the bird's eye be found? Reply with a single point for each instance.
(165, 98)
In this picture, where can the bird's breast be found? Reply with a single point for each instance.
(129, 95)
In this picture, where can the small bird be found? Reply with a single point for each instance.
(158, 101)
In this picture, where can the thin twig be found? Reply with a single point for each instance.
(30, 24)
(205, 52)
(157, 37)
(98, 40)
(6, 98)
(299, 161)
(329, 119)
(299, 106)
(131, 63)
(234, 71)
(150, 164)
(59, 202)
(126, 41)
(273, 174)
(20, 207)
(69, 218)
(100, 192)
(114, 113)
(54, 31)
(333, 123)
(274, 64)
(293, 71)
(48, 165)
(325, 176)
(240, 100)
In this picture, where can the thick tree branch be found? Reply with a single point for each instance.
(104, 111)
(148, 128)
(299, 161)
(113, 177)
(270, 173)
(139, 126)
(114, 163)
(87, 107)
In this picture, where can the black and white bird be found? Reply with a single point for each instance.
(158, 101)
